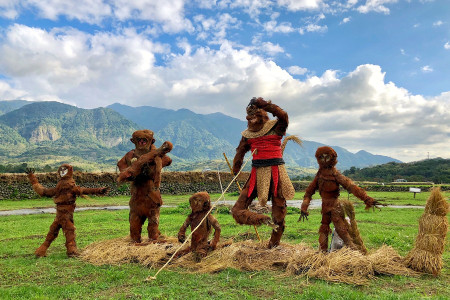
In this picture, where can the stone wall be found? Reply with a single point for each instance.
(16, 186)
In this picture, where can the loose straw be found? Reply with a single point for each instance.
(212, 207)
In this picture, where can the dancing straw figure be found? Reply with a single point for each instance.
(268, 178)
(327, 181)
(64, 195)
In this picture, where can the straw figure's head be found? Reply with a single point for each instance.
(326, 157)
(200, 202)
(65, 171)
(256, 117)
(142, 139)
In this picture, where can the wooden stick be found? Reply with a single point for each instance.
(240, 190)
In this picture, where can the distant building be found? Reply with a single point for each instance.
(400, 180)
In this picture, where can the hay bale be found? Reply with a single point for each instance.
(122, 251)
(426, 256)
(436, 203)
(387, 261)
(345, 265)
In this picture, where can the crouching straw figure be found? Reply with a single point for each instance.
(327, 181)
(200, 205)
(64, 195)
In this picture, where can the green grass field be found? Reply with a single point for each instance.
(56, 276)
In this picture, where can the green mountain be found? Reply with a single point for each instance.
(206, 137)
(436, 170)
(55, 132)
(49, 133)
(7, 106)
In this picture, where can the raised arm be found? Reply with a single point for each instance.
(276, 111)
(37, 187)
(215, 224)
(240, 153)
(182, 231)
(310, 190)
(352, 188)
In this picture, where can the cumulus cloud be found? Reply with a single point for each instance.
(350, 110)
(296, 70)
(375, 6)
(273, 26)
(438, 23)
(447, 46)
(296, 5)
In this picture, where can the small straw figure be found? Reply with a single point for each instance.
(200, 204)
(426, 256)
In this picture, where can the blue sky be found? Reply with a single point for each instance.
(361, 74)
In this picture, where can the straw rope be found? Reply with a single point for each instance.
(204, 218)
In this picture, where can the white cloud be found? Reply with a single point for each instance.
(215, 29)
(297, 5)
(9, 9)
(273, 26)
(355, 110)
(345, 20)
(375, 6)
(447, 46)
(296, 70)
(427, 69)
(272, 49)
(313, 28)
(402, 52)
(438, 23)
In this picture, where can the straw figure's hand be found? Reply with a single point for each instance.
(303, 216)
(372, 203)
(181, 237)
(30, 170)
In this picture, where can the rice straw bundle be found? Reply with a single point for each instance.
(353, 228)
(426, 256)
(345, 265)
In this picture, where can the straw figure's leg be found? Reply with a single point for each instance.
(51, 236)
(153, 223)
(136, 222)
(341, 227)
(278, 215)
(69, 231)
(324, 231)
(241, 213)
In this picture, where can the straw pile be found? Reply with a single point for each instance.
(426, 256)
(345, 265)
(353, 228)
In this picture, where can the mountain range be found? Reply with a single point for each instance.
(94, 139)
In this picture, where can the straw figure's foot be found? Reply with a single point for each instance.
(41, 251)
(270, 223)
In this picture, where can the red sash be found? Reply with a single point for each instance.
(267, 147)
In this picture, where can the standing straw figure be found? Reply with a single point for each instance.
(64, 195)
(327, 181)
(142, 167)
(426, 256)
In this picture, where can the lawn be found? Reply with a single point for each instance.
(56, 276)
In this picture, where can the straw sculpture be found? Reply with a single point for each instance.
(426, 256)
(345, 265)
(353, 231)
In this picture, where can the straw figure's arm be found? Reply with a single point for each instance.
(80, 191)
(276, 111)
(37, 187)
(215, 224)
(136, 168)
(310, 190)
(241, 149)
(352, 188)
(182, 231)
